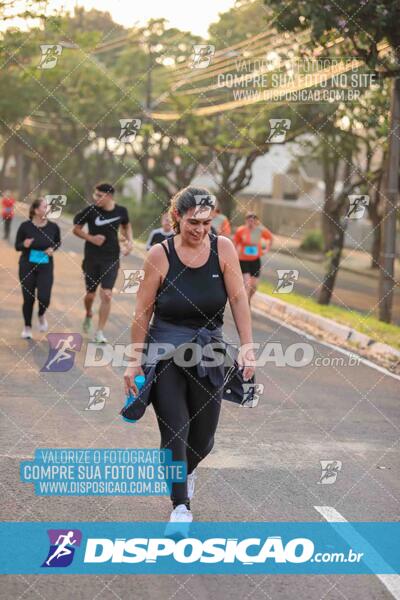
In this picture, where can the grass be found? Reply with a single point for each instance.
(370, 325)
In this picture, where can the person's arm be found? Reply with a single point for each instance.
(22, 241)
(19, 238)
(237, 241)
(79, 221)
(267, 235)
(57, 238)
(56, 243)
(154, 266)
(238, 301)
(237, 237)
(126, 231)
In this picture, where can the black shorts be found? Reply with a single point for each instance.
(104, 272)
(252, 267)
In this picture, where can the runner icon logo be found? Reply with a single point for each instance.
(330, 470)
(50, 54)
(55, 204)
(62, 547)
(133, 277)
(251, 394)
(357, 205)
(129, 129)
(279, 129)
(62, 348)
(202, 55)
(286, 280)
(98, 395)
(205, 203)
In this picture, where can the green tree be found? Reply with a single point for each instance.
(362, 28)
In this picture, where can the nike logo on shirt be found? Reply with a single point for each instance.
(99, 221)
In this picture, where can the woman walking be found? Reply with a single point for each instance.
(187, 282)
(37, 239)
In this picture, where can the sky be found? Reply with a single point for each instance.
(194, 16)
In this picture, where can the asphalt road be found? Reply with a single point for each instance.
(265, 465)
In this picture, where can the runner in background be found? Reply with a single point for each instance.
(220, 223)
(100, 265)
(7, 212)
(37, 239)
(252, 240)
(162, 233)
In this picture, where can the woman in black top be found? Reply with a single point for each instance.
(37, 239)
(188, 279)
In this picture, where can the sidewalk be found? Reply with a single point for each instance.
(353, 261)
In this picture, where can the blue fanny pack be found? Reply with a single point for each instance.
(38, 257)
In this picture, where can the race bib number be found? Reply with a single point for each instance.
(251, 250)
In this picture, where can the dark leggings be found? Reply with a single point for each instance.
(187, 409)
(7, 228)
(35, 277)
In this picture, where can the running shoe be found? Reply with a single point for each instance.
(87, 324)
(100, 338)
(43, 324)
(181, 514)
(191, 482)
(26, 333)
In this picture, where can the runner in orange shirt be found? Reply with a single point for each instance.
(7, 212)
(252, 240)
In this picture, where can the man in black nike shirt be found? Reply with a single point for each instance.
(100, 265)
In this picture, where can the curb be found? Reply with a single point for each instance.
(282, 310)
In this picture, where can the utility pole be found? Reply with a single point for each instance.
(148, 99)
(388, 243)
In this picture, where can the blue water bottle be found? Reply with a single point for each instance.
(139, 381)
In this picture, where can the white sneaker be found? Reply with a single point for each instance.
(26, 333)
(100, 338)
(191, 482)
(43, 324)
(181, 514)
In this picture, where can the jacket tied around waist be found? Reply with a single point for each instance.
(208, 351)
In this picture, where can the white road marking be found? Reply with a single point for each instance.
(308, 336)
(391, 582)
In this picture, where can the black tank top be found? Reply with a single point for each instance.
(192, 296)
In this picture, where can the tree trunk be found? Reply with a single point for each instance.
(334, 226)
(24, 165)
(375, 216)
(376, 241)
(6, 156)
(225, 201)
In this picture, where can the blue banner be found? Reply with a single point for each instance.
(213, 548)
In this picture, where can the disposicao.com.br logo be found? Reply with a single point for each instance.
(191, 550)
(200, 548)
